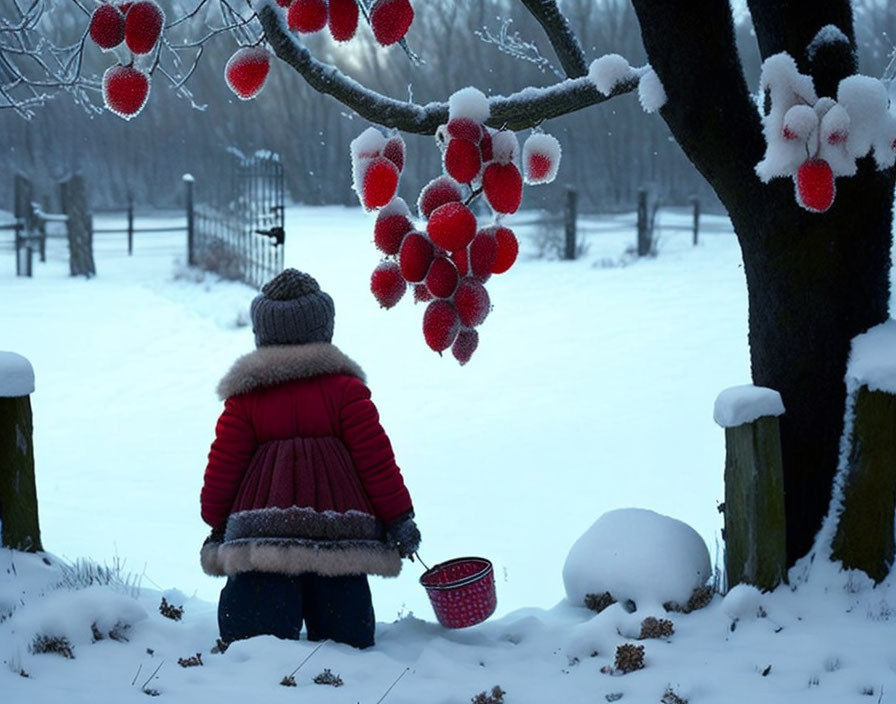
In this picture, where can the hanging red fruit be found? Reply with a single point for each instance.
(440, 325)
(502, 185)
(507, 249)
(247, 70)
(387, 284)
(472, 302)
(307, 16)
(390, 20)
(343, 21)
(815, 185)
(107, 26)
(143, 26)
(380, 183)
(125, 90)
(451, 226)
(465, 345)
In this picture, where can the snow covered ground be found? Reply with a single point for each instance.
(592, 389)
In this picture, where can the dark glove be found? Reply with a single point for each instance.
(403, 535)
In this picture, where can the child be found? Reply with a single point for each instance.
(301, 489)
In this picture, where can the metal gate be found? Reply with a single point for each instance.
(241, 236)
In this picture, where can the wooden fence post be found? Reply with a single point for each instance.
(189, 183)
(79, 226)
(20, 529)
(22, 213)
(643, 225)
(864, 534)
(755, 551)
(570, 223)
(130, 223)
(696, 201)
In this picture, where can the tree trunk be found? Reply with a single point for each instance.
(18, 495)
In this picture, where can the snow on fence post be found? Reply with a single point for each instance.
(755, 550)
(570, 223)
(189, 182)
(19, 527)
(866, 481)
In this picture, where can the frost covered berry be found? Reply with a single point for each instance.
(464, 128)
(451, 226)
(247, 70)
(440, 325)
(541, 158)
(508, 248)
(472, 302)
(441, 280)
(462, 160)
(421, 293)
(389, 231)
(461, 259)
(390, 20)
(415, 257)
(503, 187)
(343, 21)
(307, 16)
(107, 26)
(387, 284)
(815, 185)
(393, 150)
(143, 26)
(439, 191)
(380, 183)
(485, 147)
(125, 90)
(465, 345)
(483, 251)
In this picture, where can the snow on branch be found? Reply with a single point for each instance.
(526, 108)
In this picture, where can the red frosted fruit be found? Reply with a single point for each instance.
(465, 128)
(390, 20)
(472, 302)
(380, 183)
(441, 280)
(125, 90)
(507, 250)
(393, 150)
(343, 21)
(483, 251)
(440, 325)
(143, 26)
(389, 231)
(107, 26)
(815, 185)
(421, 293)
(465, 345)
(462, 160)
(415, 257)
(485, 147)
(503, 187)
(307, 16)
(439, 191)
(451, 226)
(538, 166)
(461, 259)
(387, 284)
(284, 3)
(247, 70)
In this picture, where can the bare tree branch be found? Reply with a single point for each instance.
(560, 34)
(527, 108)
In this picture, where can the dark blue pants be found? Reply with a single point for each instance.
(332, 608)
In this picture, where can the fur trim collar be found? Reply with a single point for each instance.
(277, 364)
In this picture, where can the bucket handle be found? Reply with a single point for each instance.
(417, 555)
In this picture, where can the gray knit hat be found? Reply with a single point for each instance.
(292, 310)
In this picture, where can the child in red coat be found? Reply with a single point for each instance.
(301, 489)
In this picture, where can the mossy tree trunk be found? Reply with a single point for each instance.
(18, 494)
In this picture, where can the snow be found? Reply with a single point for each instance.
(744, 404)
(637, 555)
(608, 71)
(364, 148)
(826, 36)
(16, 375)
(545, 147)
(866, 100)
(469, 102)
(742, 602)
(651, 93)
(586, 394)
(872, 359)
(505, 146)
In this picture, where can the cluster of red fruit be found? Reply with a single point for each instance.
(389, 19)
(449, 259)
(139, 26)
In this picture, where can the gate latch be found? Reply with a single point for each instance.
(276, 233)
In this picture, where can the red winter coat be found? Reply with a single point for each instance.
(301, 475)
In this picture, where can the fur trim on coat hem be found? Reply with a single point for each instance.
(277, 364)
(296, 556)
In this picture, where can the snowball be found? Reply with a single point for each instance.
(505, 146)
(885, 142)
(742, 602)
(828, 35)
(364, 148)
(541, 158)
(866, 101)
(872, 360)
(832, 142)
(786, 85)
(16, 375)
(800, 121)
(638, 555)
(651, 93)
(469, 102)
(608, 71)
(744, 404)
(396, 206)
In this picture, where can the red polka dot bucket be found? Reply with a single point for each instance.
(462, 591)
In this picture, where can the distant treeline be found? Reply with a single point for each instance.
(610, 151)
